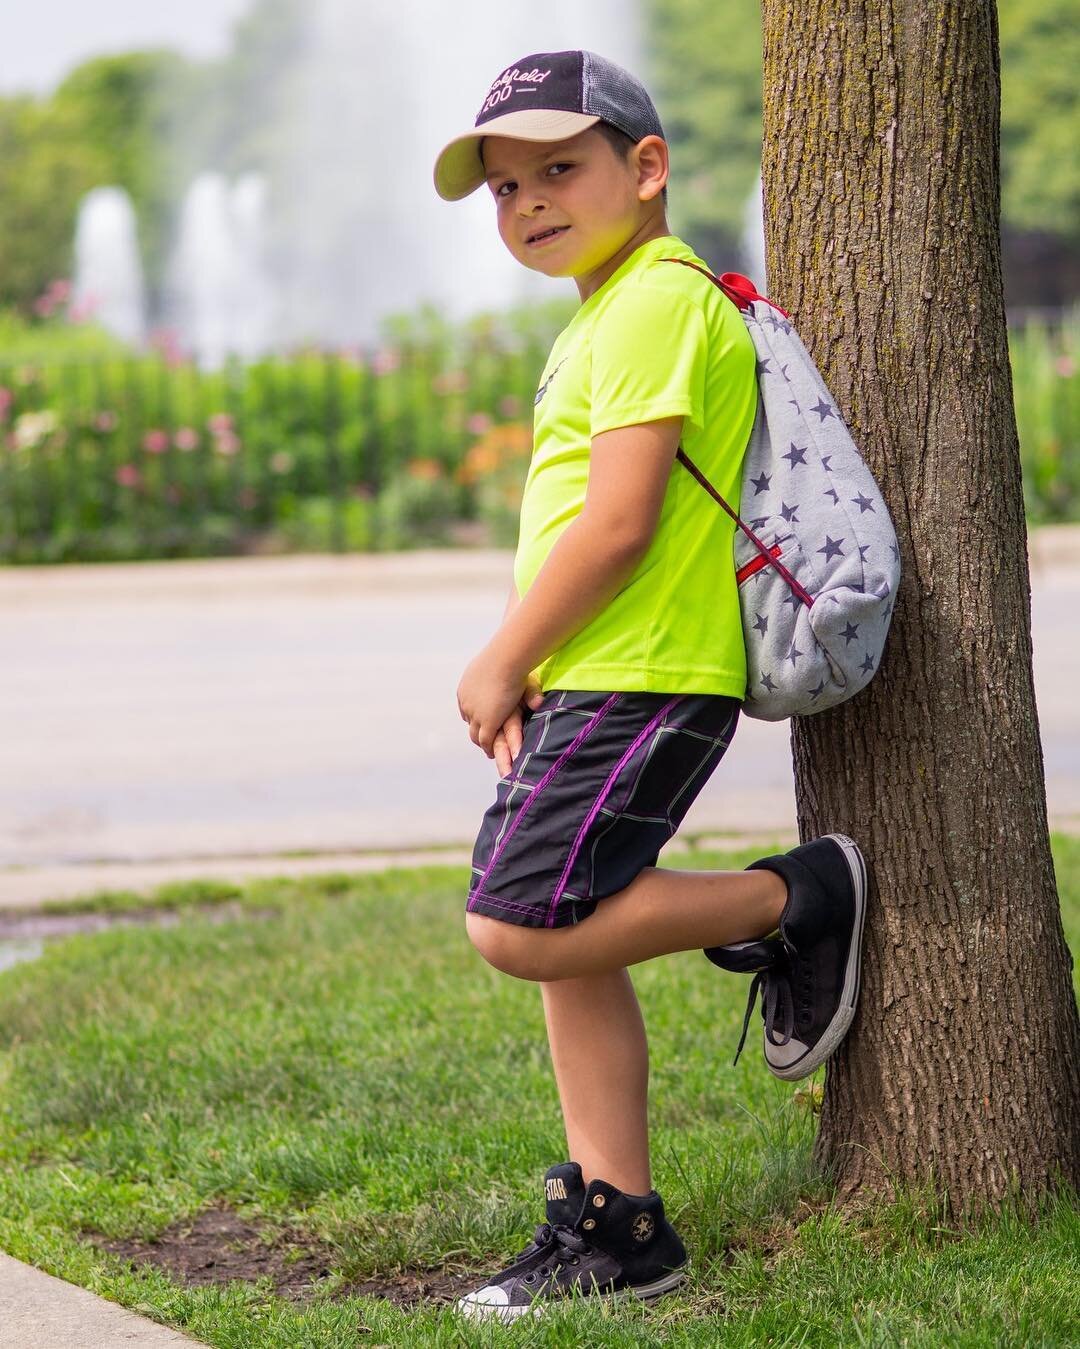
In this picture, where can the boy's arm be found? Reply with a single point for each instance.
(597, 552)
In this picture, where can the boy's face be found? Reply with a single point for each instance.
(580, 183)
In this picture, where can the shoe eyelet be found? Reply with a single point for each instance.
(575, 1260)
(599, 1200)
(589, 1224)
(544, 1271)
(530, 1277)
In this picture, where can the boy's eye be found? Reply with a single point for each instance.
(510, 182)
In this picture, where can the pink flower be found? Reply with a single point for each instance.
(220, 423)
(478, 423)
(451, 381)
(127, 475)
(6, 400)
(105, 421)
(60, 289)
(1064, 366)
(510, 405)
(385, 360)
(227, 443)
(81, 310)
(156, 442)
(187, 438)
(281, 462)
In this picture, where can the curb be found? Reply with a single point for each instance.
(39, 1311)
(1053, 546)
(26, 889)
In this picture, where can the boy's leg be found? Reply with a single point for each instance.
(601, 1061)
(660, 911)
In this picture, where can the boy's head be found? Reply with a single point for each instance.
(568, 138)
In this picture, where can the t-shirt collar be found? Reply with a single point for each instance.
(667, 243)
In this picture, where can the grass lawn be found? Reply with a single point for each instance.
(352, 1093)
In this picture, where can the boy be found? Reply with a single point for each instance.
(613, 686)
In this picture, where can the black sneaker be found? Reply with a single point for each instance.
(809, 975)
(597, 1240)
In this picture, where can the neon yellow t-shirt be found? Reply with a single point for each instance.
(655, 340)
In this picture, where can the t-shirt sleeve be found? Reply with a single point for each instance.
(649, 353)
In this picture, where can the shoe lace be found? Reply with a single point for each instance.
(566, 1248)
(777, 1000)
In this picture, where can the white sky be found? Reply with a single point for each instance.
(42, 40)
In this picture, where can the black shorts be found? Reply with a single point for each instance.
(601, 782)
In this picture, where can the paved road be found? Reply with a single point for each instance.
(247, 706)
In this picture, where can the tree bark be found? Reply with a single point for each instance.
(882, 205)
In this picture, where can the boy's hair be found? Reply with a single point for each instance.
(622, 144)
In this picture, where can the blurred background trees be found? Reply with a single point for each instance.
(103, 124)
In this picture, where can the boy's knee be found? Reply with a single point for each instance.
(511, 949)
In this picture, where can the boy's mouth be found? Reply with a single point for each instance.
(546, 236)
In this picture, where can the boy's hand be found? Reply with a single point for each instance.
(487, 696)
(508, 738)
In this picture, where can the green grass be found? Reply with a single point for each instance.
(352, 1070)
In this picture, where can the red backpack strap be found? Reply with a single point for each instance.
(766, 554)
(738, 288)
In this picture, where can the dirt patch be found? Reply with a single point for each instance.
(218, 1245)
(415, 1285)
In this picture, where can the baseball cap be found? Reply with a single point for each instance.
(547, 96)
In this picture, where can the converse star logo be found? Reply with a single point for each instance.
(643, 1227)
(556, 1188)
(544, 387)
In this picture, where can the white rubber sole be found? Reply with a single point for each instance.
(849, 996)
(486, 1311)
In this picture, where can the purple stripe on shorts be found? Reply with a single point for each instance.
(582, 735)
(595, 809)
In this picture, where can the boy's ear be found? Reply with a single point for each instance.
(653, 165)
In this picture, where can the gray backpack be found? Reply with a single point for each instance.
(817, 561)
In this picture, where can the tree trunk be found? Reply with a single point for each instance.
(882, 203)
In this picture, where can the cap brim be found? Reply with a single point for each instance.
(459, 169)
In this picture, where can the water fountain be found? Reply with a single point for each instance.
(218, 296)
(752, 238)
(108, 280)
(344, 226)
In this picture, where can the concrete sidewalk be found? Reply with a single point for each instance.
(38, 1311)
(227, 716)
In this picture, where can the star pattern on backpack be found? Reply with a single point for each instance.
(823, 540)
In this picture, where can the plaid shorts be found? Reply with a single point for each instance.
(601, 782)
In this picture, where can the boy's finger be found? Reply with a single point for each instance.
(514, 734)
(533, 695)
